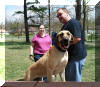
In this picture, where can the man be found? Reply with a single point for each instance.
(76, 50)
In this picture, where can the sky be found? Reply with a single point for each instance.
(10, 11)
(9, 5)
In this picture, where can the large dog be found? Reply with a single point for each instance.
(53, 61)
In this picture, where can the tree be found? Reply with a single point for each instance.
(49, 15)
(84, 15)
(26, 19)
(86, 10)
(78, 10)
(40, 11)
(26, 23)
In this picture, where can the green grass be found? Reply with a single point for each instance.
(2, 60)
(88, 73)
(17, 60)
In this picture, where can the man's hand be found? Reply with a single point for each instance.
(75, 40)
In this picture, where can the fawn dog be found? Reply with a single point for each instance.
(53, 61)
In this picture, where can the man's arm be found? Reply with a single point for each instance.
(75, 40)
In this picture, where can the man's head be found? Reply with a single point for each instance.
(63, 15)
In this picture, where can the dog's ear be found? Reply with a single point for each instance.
(56, 39)
(72, 38)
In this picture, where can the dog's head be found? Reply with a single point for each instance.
(63, 39)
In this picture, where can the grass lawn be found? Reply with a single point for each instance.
(88, 73)
(17, 60)
(2, 59)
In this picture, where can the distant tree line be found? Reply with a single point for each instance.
(47, 16)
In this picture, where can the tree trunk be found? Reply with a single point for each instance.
(78, 10)
(25, 22)
(49, 17)
(84, 15)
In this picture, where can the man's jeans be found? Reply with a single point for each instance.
(73, 70)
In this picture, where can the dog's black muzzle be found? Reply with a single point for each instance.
(64, 43)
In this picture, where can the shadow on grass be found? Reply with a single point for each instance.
(16, 44)
(2, 43)
(17, 47)
(89, 47)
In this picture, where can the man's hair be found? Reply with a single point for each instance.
(64, 9)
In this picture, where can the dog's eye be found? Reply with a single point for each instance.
(61, 34)
(68, 33)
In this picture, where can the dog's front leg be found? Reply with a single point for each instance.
(49, 75)
(62, 75)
